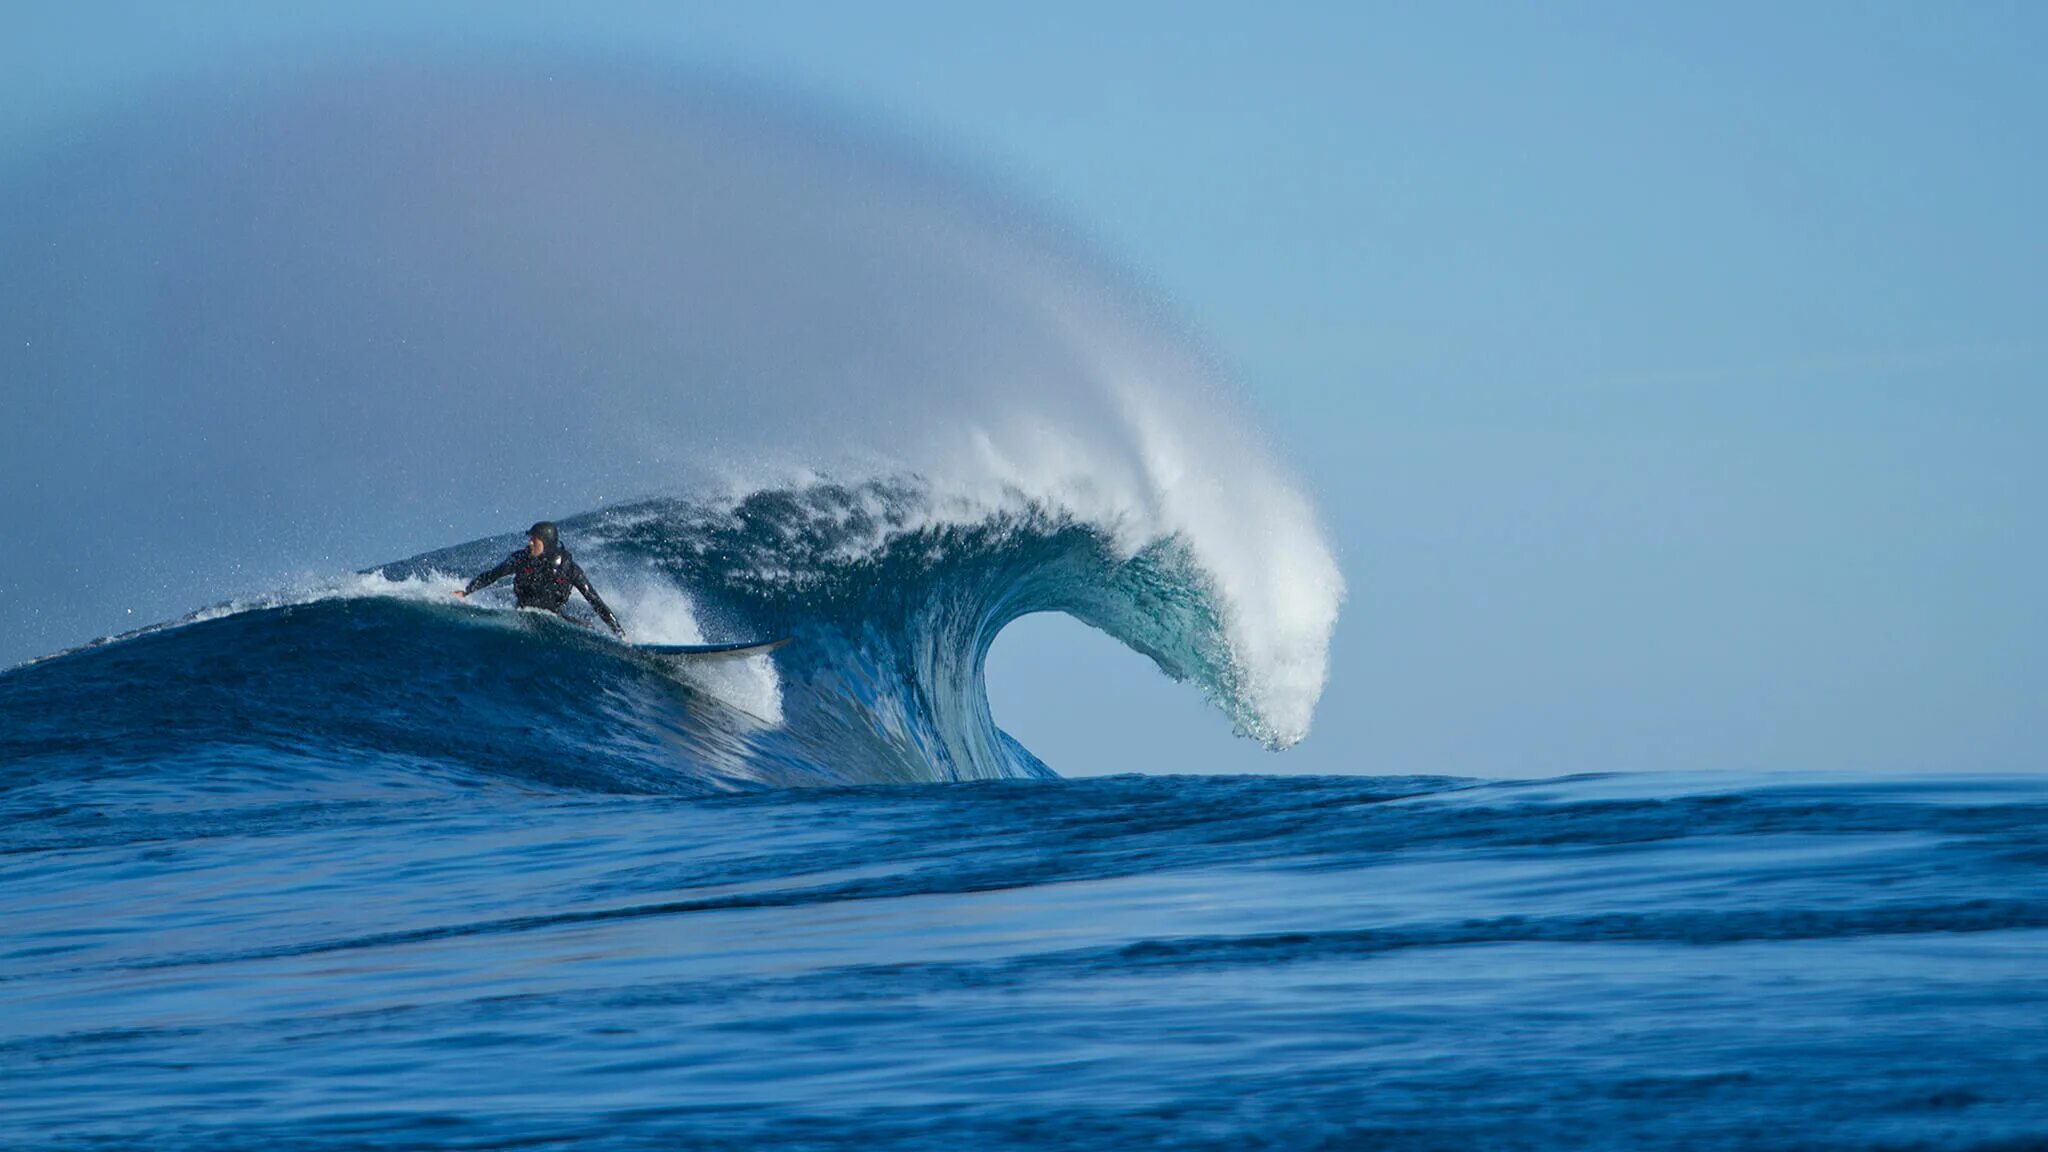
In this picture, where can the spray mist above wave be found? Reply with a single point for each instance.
(298, 321)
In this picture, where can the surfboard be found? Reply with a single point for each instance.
(738, 648)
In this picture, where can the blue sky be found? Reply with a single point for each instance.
(1671, 377)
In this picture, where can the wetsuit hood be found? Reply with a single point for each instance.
(550, 540)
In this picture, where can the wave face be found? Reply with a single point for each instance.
(890, 594)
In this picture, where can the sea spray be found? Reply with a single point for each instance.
(308, 316)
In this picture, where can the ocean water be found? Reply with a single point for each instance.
(360, 865)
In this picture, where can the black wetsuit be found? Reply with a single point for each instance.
(545, 581)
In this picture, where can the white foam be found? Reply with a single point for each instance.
(430, 587)
(654, 611)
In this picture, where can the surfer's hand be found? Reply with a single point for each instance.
(461, 593)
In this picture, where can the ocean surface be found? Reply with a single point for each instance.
(362, 865)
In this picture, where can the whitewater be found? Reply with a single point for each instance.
(321, 857)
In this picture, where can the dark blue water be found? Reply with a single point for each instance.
(380, 869)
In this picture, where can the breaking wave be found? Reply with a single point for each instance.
(891, 593)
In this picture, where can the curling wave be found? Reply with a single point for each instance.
(891, 593)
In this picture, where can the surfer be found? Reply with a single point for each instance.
(543, 573)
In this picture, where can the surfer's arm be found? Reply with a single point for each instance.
(493, 576)
(582, 584)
